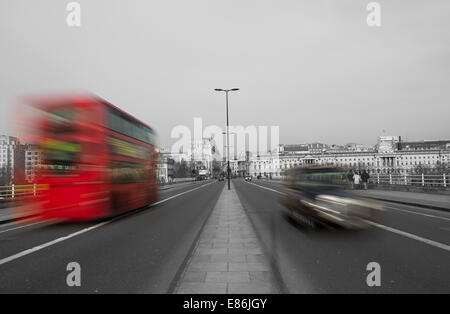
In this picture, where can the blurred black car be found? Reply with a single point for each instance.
(317, 195)
(221, 178)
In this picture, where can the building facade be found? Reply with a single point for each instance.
(7, 148)
(390, 155)
(165, 168)
(32, 159)
(203, 153)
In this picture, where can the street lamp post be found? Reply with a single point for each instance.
(224, 145)
(228, 134)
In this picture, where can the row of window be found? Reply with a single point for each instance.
(363, 159)
(127, 172)
(124, 125)
(363, 164)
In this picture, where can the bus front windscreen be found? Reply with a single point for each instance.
(61, 152)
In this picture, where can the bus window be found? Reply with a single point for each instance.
(122, 124)
(60, 156)
(127, 172)
(61, 120)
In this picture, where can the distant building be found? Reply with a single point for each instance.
(387, 144)
(425, 145)
(18, 161)
(178, 157)
(33, 158)
(294, 149)
(165, 168)
(355, 147)
(7, 147)
(203, 153)
(390, 155)
(317, 147)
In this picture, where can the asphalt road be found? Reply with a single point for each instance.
(145, 251)
(334, 261)
(138, 253)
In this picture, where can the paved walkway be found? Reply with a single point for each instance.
(228, 257)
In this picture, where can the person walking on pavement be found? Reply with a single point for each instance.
(350, 178)
(365, 178)
(357, 180)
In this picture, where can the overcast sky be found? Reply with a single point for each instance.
(312, 67)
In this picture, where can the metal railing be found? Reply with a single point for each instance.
(19, 191)
(417, 180)
(8, 192)
(420, 180)
(176, 180)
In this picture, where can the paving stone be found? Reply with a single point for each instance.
(202, 288)
(245, 251)
(194, 276)
(251, 245)
(228, 276)
(228, 258)
(234, 245)
(247, 240)
(203, 245)
(257, 258)
(200, 258)
(252, 266)
(208, 266)
(262, 276)
(251, 288)
(206, 251)
(219, 241)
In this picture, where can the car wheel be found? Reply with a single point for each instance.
(304, 220)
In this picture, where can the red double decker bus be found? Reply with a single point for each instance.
(98, 161)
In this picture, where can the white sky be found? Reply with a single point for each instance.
(312, 67)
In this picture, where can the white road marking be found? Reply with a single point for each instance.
(41, 222)
(43, 246)
(418, 213)
(393, 230)
(24, 226)
(179, 194)
(411, 236)
(263, 187)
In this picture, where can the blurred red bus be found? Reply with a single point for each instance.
(98, 161)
